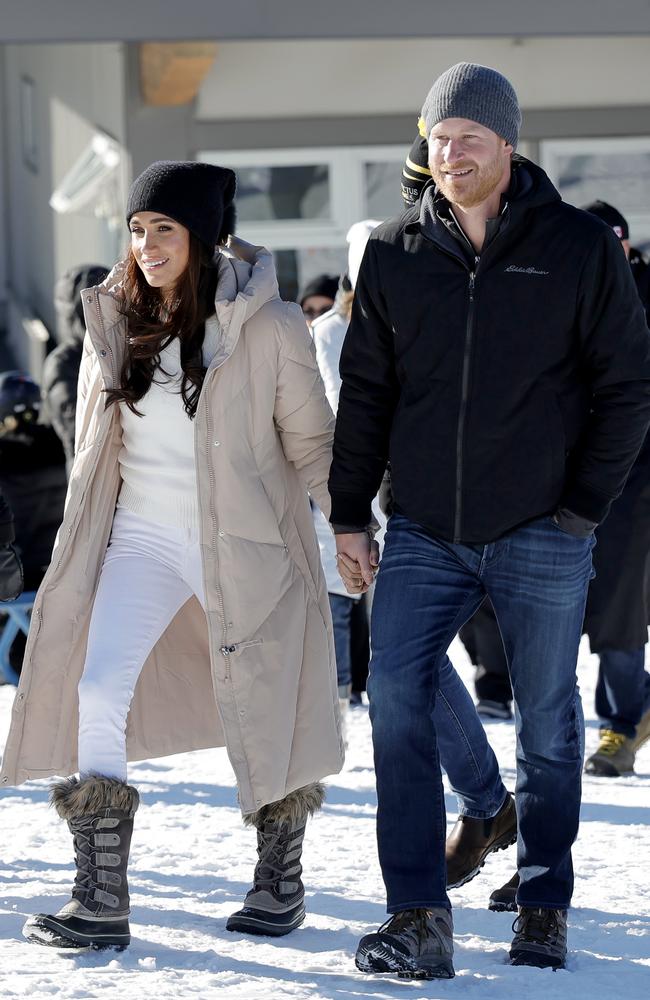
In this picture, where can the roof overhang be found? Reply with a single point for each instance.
(204, 20)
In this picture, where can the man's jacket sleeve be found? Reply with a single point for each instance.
(369, 394)
(615, 350)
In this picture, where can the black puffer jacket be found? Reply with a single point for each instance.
(11, 576)
(499, 388)
(32, 478)
(61, 369)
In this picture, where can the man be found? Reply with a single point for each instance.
(616, 619)
(498, 357)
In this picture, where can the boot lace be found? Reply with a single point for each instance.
(82, 830)
(610, 742)
(270, 868)
(411, 925)
(540, 926)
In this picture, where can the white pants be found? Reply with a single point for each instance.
(149, 572)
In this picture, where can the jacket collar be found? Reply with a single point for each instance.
(247, 280)
(529, 188)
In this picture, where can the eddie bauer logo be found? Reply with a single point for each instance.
(525, 270)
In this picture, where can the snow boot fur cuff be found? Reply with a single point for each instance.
(292, 810)
(76, 797)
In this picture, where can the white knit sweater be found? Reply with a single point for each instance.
(157, 460)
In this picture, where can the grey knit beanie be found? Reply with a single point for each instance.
(478, 93)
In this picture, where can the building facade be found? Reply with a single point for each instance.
(316, 116)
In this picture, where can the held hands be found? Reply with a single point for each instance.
(357, 558)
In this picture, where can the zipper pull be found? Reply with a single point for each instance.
(227, 650)
(471, 285)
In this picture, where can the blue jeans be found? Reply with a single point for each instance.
(341, 608)
(465, 753)
(536, 578)
(623, 690)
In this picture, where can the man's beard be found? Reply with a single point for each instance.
(474, 189)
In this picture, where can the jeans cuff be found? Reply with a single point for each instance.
(419, 904)
(541, 904)
(489, 812)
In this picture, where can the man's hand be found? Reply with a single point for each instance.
(357, 558)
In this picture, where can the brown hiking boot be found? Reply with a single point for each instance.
(505, 898)
(471, 840)
(614, 756)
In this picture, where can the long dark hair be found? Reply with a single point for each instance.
(153, 323)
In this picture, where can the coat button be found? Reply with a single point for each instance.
(221, 534)
(103, 353)
(5, 780)
(217, 443)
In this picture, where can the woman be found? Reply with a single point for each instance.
(186, 587)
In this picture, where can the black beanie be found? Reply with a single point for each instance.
(322, 284)
(198, 195)
(611, 216)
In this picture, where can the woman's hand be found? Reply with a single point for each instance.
(357, 558)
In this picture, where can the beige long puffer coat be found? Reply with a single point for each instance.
(257, 672)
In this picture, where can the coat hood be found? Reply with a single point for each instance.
(530, 188)
(247, 281)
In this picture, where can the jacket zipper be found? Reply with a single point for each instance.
(237, 646)
(215, 534)
(460, 434)
(110, 350)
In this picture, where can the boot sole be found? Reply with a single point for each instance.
(500, 845)
(536, 960)
(252, 921)
(380, 957)
(52, 933)
(604, 769)
(497, 906)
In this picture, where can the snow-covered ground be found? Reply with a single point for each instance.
(192, 861)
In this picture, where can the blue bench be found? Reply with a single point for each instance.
(18, 613)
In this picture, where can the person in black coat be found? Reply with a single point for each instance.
(618, 604)
(11, 571)
(61, 368)
(32, 479)
(498, 356)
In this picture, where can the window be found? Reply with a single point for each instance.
(87, 175)
(301, 202)
(612, 170)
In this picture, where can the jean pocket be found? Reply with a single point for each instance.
(570, 534)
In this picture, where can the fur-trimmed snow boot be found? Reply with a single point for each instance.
(276, 903)
(99, 812)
